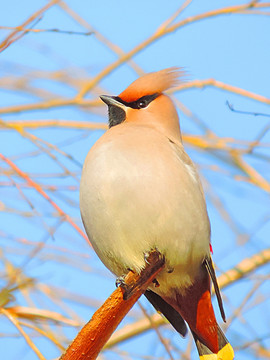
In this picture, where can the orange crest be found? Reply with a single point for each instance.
(152, 83)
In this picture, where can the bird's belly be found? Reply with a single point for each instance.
(129, 211)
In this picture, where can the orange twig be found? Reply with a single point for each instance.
(242, 269)
(89, 103)
(161, 31)
(15, 34)
(223, 86)
(44, 123)
(39, 189)
(254, 176)
(49, 104)
(95, 334)
(23, 333)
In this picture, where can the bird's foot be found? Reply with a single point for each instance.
(120, 281)
(149, 254)
(154, 261)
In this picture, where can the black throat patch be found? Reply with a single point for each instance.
(116, 115)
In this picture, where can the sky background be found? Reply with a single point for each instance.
(233, 49)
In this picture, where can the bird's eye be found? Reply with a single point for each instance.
(142, 104)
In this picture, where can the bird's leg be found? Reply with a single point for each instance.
(153, 261)
(120, 280)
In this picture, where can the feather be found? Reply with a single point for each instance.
(225, 351)
(211, 271)
(168, 311)
(152, 83)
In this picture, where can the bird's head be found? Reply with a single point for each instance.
(144, 102)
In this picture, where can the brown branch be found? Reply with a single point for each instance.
(94, 335)
(241, 270)
(136, 328)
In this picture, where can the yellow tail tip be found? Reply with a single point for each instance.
(226, 353)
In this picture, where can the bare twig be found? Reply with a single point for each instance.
(162, 31)
(98, 330)
(254, 113)
(39, 189)
(23, 333)
(17, 33)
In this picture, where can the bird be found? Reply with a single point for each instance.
(140, 191)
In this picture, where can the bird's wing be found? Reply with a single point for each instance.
(168, 311)
(211, 271)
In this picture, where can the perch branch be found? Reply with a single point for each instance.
(94, 335)
(238, 272)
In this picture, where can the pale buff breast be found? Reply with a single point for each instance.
(133, 200)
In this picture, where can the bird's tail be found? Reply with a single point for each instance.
(225, 350)
(195, 307)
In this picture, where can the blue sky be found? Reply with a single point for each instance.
(233, 49)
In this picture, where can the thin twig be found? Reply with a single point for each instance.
(23, 333)
(160, 32)
(39, 189)
(16, 34)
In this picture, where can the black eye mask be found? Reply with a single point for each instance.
(140, 103)
(118, 115)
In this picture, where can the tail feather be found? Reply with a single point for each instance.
(168, 311)
(194, 306)
(225, 350)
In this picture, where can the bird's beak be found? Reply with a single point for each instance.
(111, 100)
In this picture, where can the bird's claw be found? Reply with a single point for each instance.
(148, 254)
(120, 281)
(146, 257)
(127, 292)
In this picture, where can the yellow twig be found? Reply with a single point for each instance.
(164, 31)
(78, 101)
(16, 34)
(49, 104)
(255, 177)
(113, 47)
(20, 329)
(221, 85)
(36, 124)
